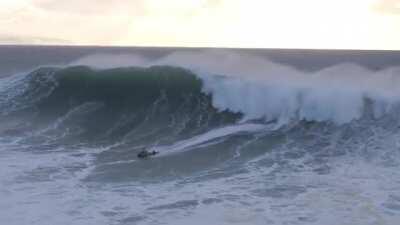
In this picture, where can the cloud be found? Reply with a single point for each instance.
(212, 23)
(104, 22)
(388, 6)
(27, 40)
(89, 7)
(133, 7)
(76, 23)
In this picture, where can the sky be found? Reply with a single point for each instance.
(315, 24)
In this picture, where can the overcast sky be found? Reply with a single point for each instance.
(354, 24)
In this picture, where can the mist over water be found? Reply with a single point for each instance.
(242, 139)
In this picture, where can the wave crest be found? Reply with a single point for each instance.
(249, 87)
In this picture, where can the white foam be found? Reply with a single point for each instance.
(185, 145)
(260, 88)
(353, 192)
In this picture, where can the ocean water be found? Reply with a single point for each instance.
(244, 136)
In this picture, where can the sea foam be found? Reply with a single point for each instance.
(262, 89)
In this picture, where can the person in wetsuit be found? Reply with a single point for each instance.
(145, 153)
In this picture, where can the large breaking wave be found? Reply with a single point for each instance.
(230, 129)
(189, 100)
(244, 87)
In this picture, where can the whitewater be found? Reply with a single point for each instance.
(242, 138)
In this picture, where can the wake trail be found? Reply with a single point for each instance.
(185, 145)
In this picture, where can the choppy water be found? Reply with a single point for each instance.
(242, 139)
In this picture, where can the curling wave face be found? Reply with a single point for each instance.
(243, 86)
(111, 103)
(183, 95)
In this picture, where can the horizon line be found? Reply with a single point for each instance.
(194, 47)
